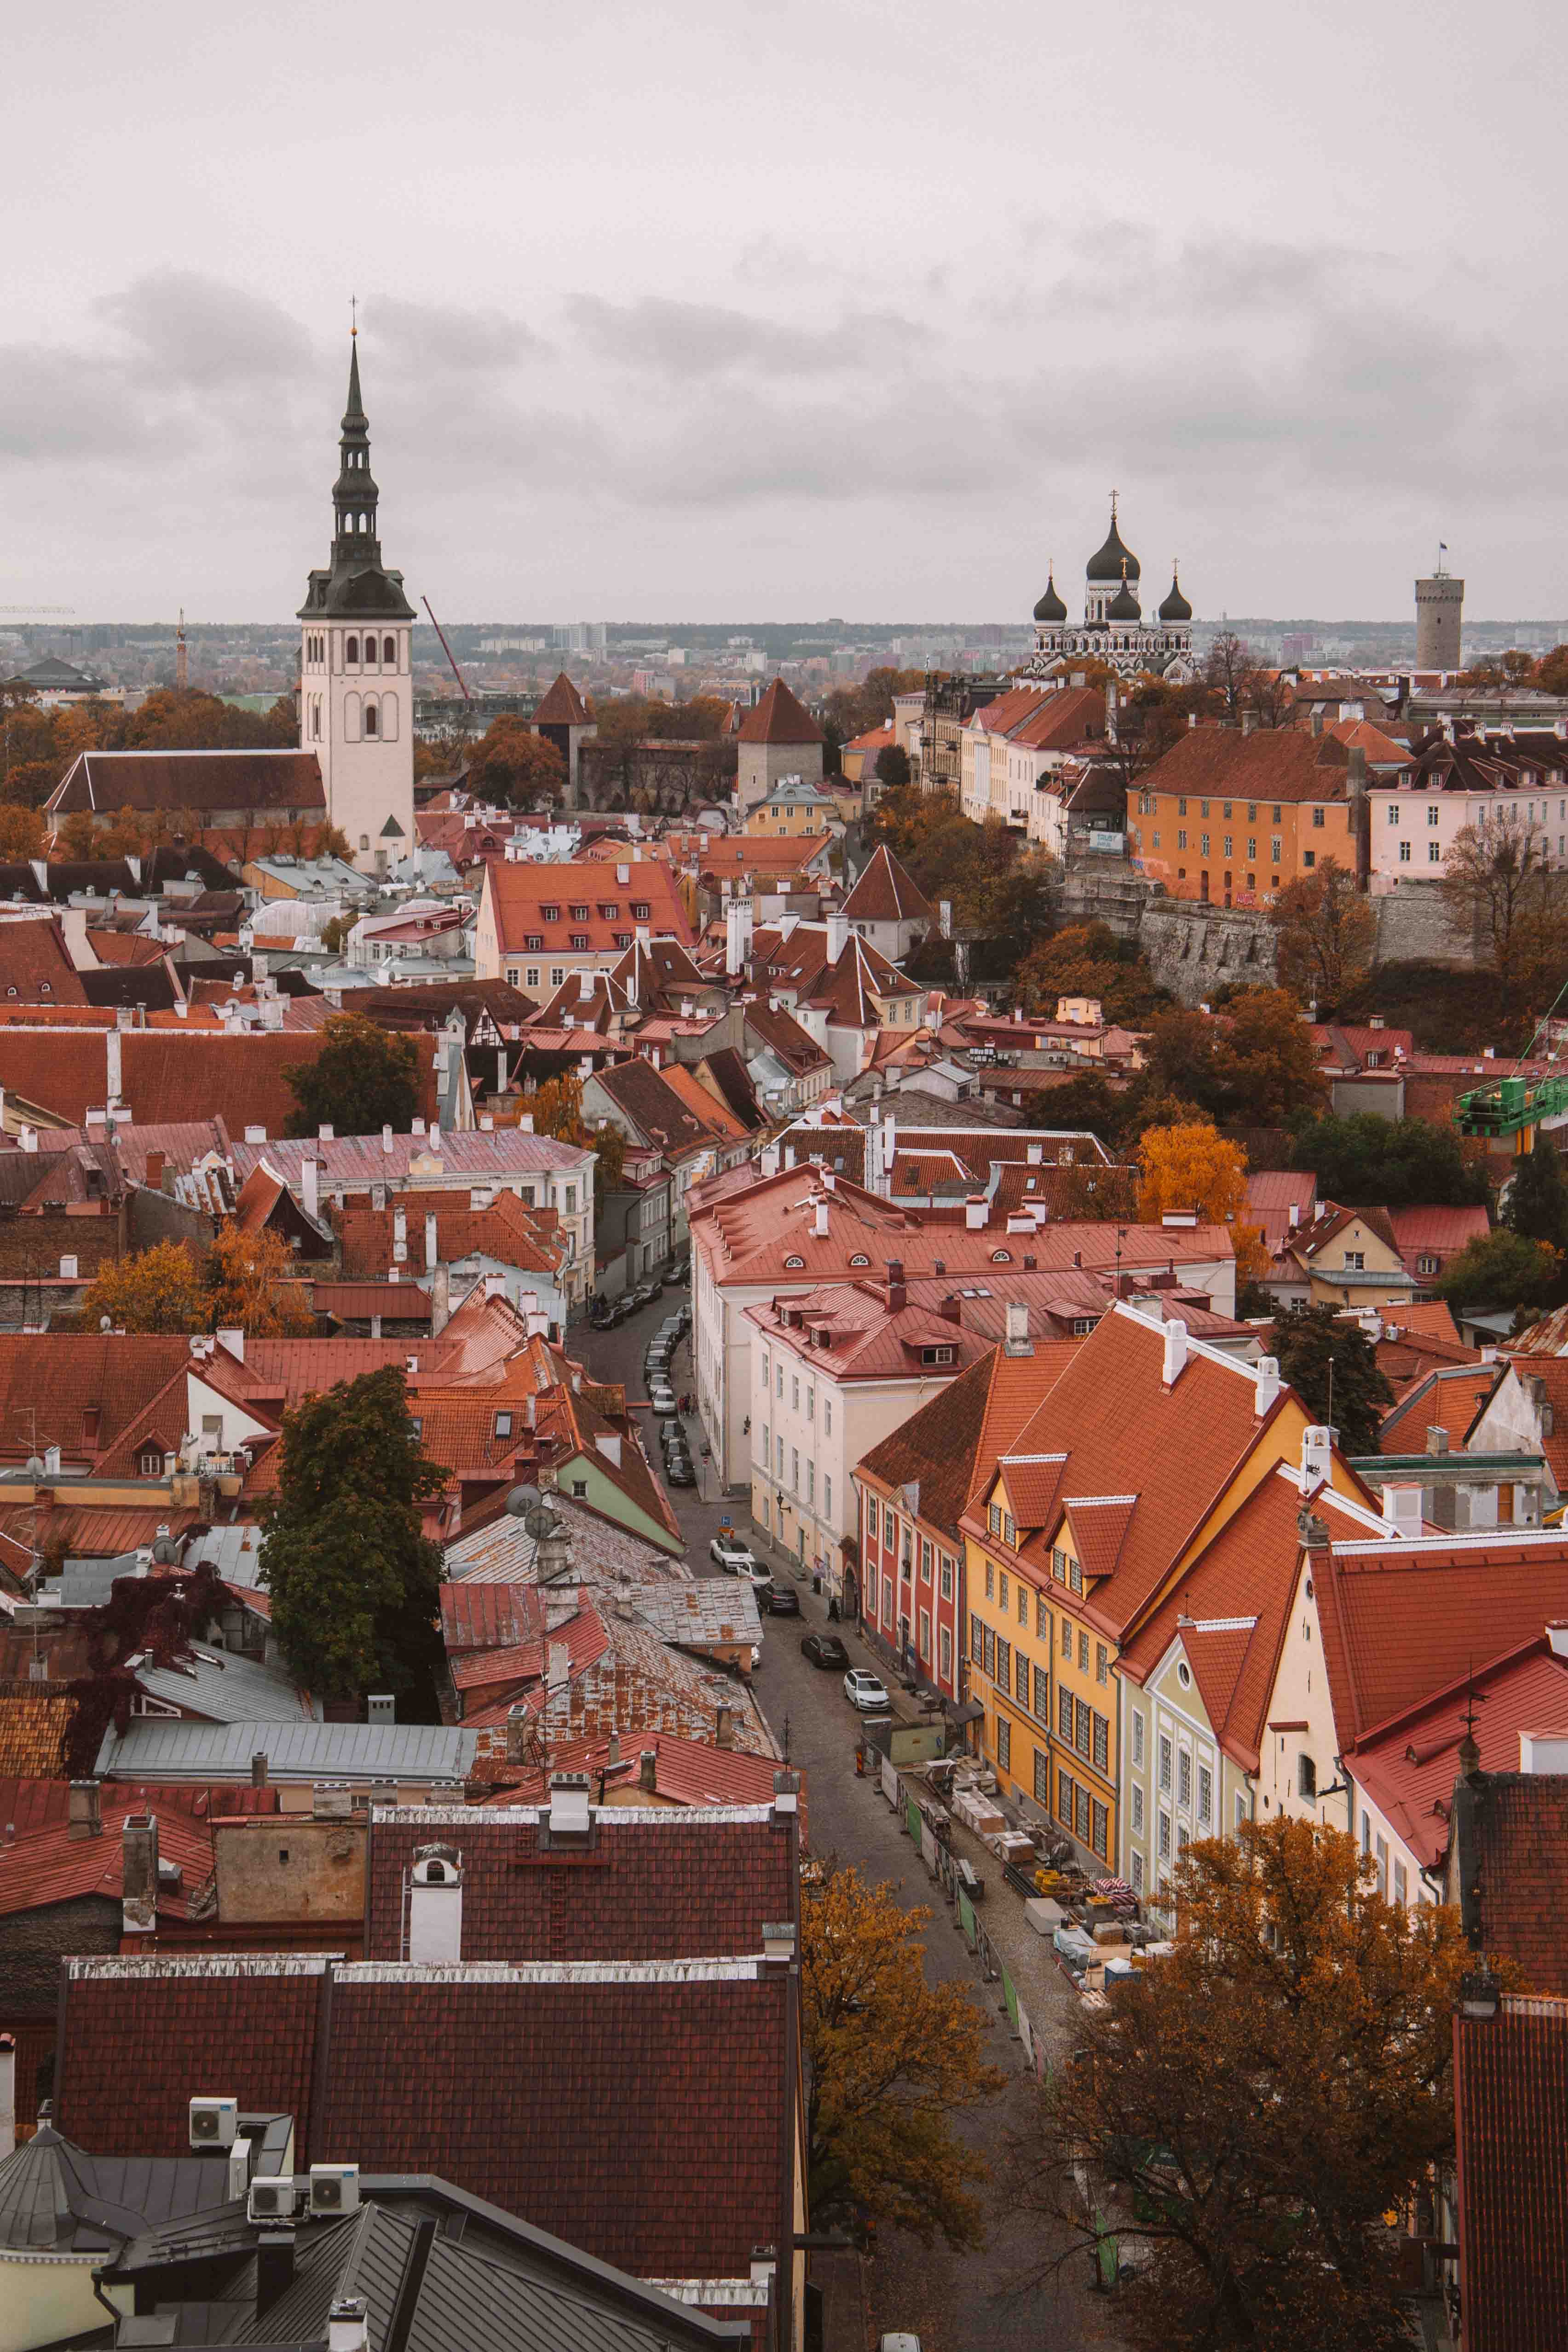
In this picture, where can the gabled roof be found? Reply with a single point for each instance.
(1410, 1771)
(35, 966)
(106, 782)
(1448, 1398)
(1098, 1525)
(1272, 765)
(778, 717)
(1511, 2095)
(885, 894)
(1031, 1483)
(562, 706)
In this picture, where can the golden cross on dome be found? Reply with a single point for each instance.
(1114, 495)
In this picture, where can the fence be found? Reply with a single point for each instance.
(943, 1869)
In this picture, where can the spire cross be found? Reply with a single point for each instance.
(1113, 505)
(353, 314)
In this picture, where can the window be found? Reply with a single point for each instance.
(1138, 1739)
(945, 1582)
(1004, 1744)
(990, 1581)
(1137, 1812)
(1138, 1873)
(350, 651)
(1042, 1618)
(1065, 1785)
(811, 1484)
(389, 652)
(1043, 1778)
(944, 1650)
(778, 1460)
(924, 1643)
(1202, 844)
(530, 977)
(1393, 812)
(1243, 1811)
(503, 1425)
(1404, 852)
(1042, 1695)
(1004, 1662)
(1101, 1663)
(640, 910)
(1274, 852)
(1206, 1793)
(1165, 1760)
(1356, 1261)
(779, 1391)
(1067, 1639)
(976, 1637)
(794, 1469)
(370, 714)
(152, 1462)
(1021, 1677)
(1165, 1837)
(826, 1498)
(1080, 1807)
(557, 973)
(1001, 1590)
(549, 914)
(1099, 1835)
(1083, 1653)
(1306, 1776)
(1229, 850)
(1426, 1266)
(1083, 1727)
(990, 1653)
(1434, 853)
(1308, 857)
(1101, 1744)
(1181, 837)
(1320, 818)
(1203, 808)
(1432, 812)
(811, 1404)
(1064, 1713)
(1182, 806)
(1401, 1884)
(1382, 1867)
(580, 914)
(994, 1518)
(416, 1424)
(828, 1416)
(1009, 1531)
(1251, 847)
(1023, 1604)
(1059, 1564)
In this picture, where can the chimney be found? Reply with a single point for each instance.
(1436, 1441)
(232, 1337)
(898, 1293)
(1018, 1342)
(324, 1134)
(837, 936)
(1402, 1510)
(311, 1185)
(724, 1726)
(1317, 1446)
(569, 1810)
(154, 1179)
(259, 1769)
(648, 1771)
(1317, 718)
(1355, 780)
(399, 1231)
(559, 1665)
(440, 1300)
(85, 1810)
(139, 1876)
(273, 2268)
(975, 1210)
(1175, 1333)
(1266, 1373)
(1557, 1636)
(347, 2329)
(386, 1140)
(7, 2095)
(1249, 721)
(819, 1221)
(436, 1904)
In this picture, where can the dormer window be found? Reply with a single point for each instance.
(641, 910)
(1001, 1257)
(936, 1355)
(503, 1425)
(151, 1462)
(859, 1259)
(793, 1264)
(549, 914)
(580, 914)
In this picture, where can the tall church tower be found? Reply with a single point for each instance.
(356, 669)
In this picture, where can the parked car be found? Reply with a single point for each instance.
(760, 1579)
(642, 1296)
(655, 1288)
(672, 1429)
(662, 1398)
(865, 1690)
(825, 1650)
(727, 1551)
(680, 1272)
(678, 1470)
(783, 1600)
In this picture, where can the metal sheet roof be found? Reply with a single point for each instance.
(169, 1750)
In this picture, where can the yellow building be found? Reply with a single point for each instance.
(796, 809)
(1137, 1456)
(1348, 1258)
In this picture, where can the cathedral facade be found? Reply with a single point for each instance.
(356, 665)
(1113, 629)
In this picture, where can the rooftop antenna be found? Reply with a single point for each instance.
(181, 668)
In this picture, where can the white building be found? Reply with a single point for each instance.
(356, 675)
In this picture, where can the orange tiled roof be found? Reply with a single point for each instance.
(779, 718)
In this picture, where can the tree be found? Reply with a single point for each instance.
(251, 1287)
(354, 1582)
(1505, 1269)
(1552, 671)
(334, 935)
(893, 767)
(22, 831)
(1228, 666)
(1325, 931)
(1499, 890)
(1088, 960)
(1192, 1169)
(1332, 1366)
(556, 1108)
(160, 1290)
(1255, 1063)
(856, 710)
(1364, 1162)
(1537, 1203)
(890, 2059)
(1248, 2110)
(511, 764)
(363, 1078)
(1267, 696)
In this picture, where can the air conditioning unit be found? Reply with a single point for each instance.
(271, 2201)
(215, 2122)
(334, 2189)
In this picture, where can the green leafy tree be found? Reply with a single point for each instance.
(893, 767)
(1507, 1270)
(1537, 1203)
(363, 1078)
(1332, 1366)
(1363, 1162)
(890, 2059)
(353, 1582)
(1256, 1063)
(1247, 2112)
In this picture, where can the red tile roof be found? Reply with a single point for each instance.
(885, 894)
(256, 782)
(1448, 1398)
(519, 889)
(479, 1616)
(50, 1866)
(1273, 764)
(1410, 1772)
(1436, 1232)
(1511, 2099)
(562, 706)
(778, 717)
(35, 966)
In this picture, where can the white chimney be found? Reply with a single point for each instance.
(232, 1337)
(1018, 1329)
(975, 1210)
(1037, 1154)
(386, 1138)
(569, 1812)
(560, 1665)
(1402, 1510)
(1557, 1636)
(837, 936)
(324, 1134)
(737, 936)
(819, 1221)
(1317, 1447)
(1175, 1351)
(310, 1184)
(113, 1079)
(1266, 1373)
(431, 1252)
(348, 2329)
(436, 1904)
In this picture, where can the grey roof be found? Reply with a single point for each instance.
(359, 1159)
(153, 1749)
(233, 1551)
(227, 1689)
(707, 1611)
(53, 2195)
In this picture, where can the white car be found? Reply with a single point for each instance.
(864, 1690)
(662, 1400)
(727, 1552)
(753, 1573)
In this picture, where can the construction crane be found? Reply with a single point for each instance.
(1517, 1105)
(36, 612)
(447, 649)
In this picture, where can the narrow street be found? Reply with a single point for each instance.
(956, 2303)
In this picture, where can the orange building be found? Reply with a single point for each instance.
(1231, 819)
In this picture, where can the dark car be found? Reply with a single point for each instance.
(672, 1430)
(783, 1600)
(678, 1470)
(825, 1650)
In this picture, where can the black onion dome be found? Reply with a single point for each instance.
(1112, 561)
(1050, 606)
(1124, 604)
(1175, 606)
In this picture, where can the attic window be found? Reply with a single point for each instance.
(503, 1425)
(1001, 1257)
(416, 1424)
(859, 1259)
(580, 914)
(791, 1263)
(608, 910)
(549, 914)
(151, 1463)
(641, 910)
(936, 1355)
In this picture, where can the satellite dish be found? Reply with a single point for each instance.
(523, 1499)
(35, 1466)
(540, 1522)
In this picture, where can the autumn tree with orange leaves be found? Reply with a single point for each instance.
(1191, 1170)
(1240, 2119)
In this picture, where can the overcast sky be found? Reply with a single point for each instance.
(831, 307)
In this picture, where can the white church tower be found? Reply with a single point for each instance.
(356, 669)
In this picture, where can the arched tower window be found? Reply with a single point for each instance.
(389, 653)
(350, 651)
(370, 716)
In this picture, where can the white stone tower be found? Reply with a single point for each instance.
(1439, 609)
(356, 669)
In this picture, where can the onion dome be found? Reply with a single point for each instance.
(1113, 561)
(1050, 606)
(1175, 606)
(1124, 604)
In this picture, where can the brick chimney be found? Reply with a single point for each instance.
(139, 1876)
(86, 1810)
(898, 1293)
(648, 1771)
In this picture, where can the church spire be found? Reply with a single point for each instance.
(354, 494)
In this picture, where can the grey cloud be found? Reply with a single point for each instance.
(58, 404)
(692, 340)
(187, 331)
(445, 335)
